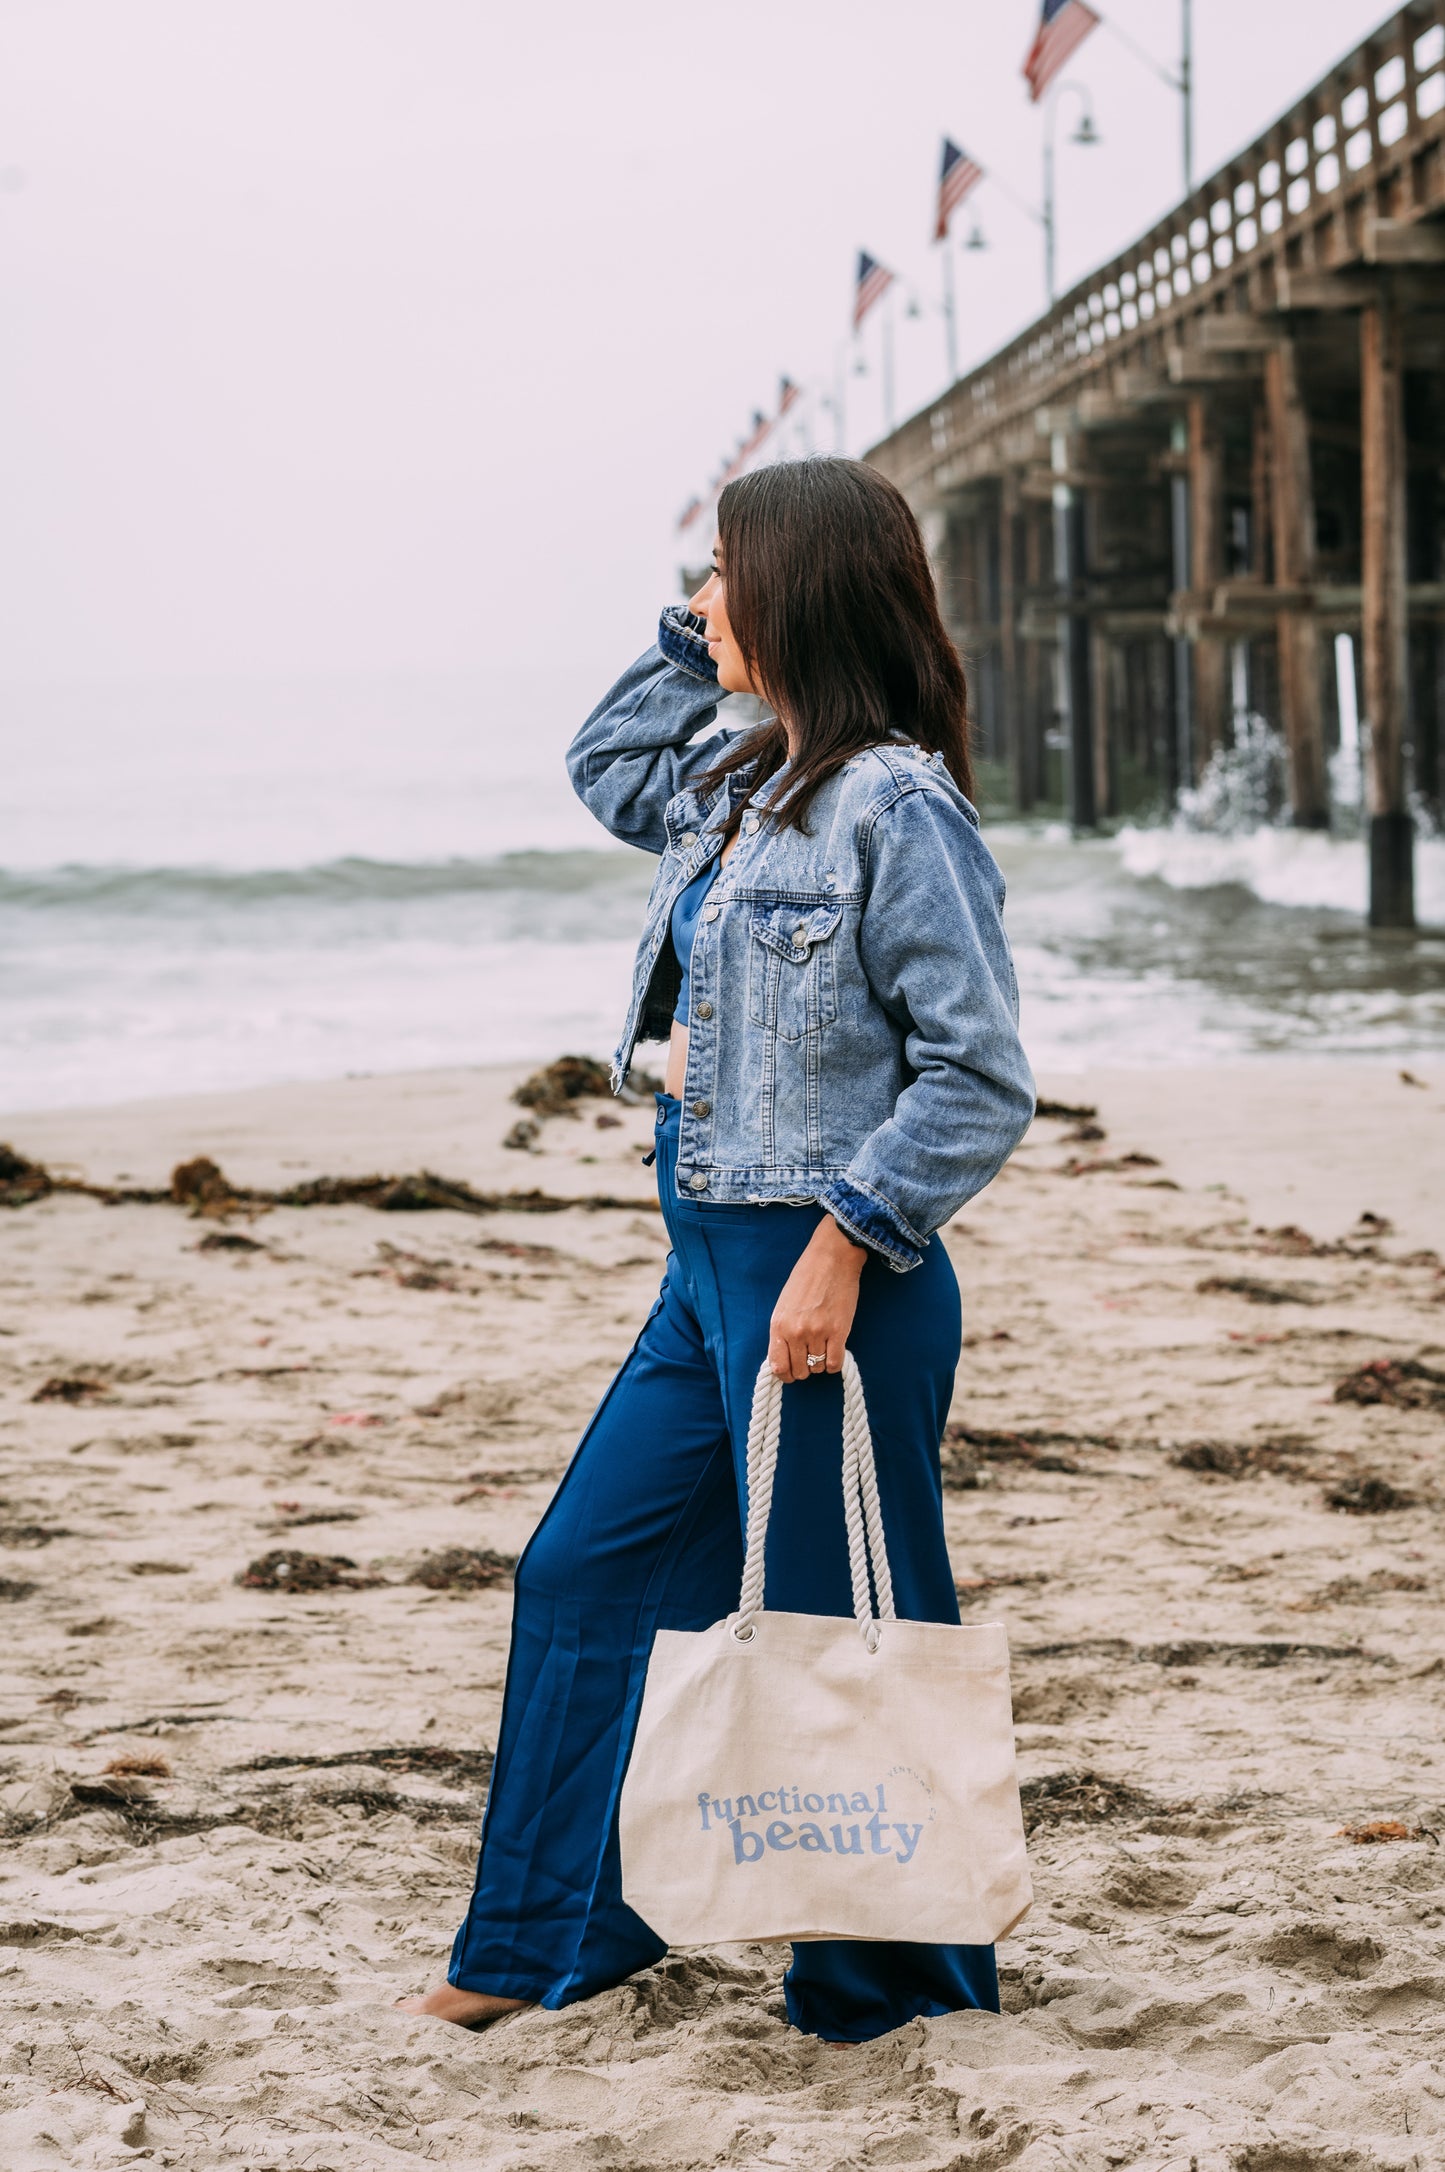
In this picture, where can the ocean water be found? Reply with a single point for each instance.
(204, 892)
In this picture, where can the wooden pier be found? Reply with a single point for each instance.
(1154, 512)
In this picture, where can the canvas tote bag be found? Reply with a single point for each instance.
(798, 1776)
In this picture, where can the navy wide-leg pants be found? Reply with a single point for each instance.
(645, 1533)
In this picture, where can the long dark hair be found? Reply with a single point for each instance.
(831, 600)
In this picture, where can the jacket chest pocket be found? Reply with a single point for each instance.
(792, 972)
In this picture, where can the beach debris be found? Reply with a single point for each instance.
(206, 1189)
(512, 1248)
(1257, 1292)
(14, 1588)
(553, 1090)
(966, 1447)
(1066, 1112)
(201, 1186)
(1355, 1590)
(1374, 1225)
(1368, 1495)
(1242, 1459)
(100, 1625)
(293, 1517)
(1384, 1829)
(1084, 1134)
(1289, 1241)
(1107, 1165)
(606, 1121)
(111, 1788)
(462, 1765)
(1406, 1383)
(411, 1270)
(72, 1390)
(228, 1240)
(140, 1765)
(969, 1589)
(32, 1534)
(1078, 1798)
(523, 1135)
(481, 1483)
(1267, 1652)
(22, 1180)
(284, 1569)
(463, 1568)
(159, 1568)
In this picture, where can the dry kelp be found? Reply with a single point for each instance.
(1406, 1383)
(461, 1765)
(1257, 1292)
(286, 1569)
(1243, 1459)
(555, 1090)
(206, 1190)
(463, 1568)
(1078, 1798)
(71, 1391)
(1368, 1494)
(966, 1448)
(1108, 1165)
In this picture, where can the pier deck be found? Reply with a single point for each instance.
(1153, 511)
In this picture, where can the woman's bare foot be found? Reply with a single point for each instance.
(468, 2009)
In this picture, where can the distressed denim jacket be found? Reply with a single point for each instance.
(853, 1027)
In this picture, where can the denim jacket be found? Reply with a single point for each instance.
(853, 1026)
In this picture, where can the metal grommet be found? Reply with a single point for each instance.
(745, 1632)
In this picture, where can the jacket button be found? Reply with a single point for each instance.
(702, 1108)
(688, 839)
(800, 935)
(704, 1010)
(697, 1182)
(710, 912)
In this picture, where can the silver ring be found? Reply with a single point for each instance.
(812, 1360)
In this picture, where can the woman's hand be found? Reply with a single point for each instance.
(814, 1314)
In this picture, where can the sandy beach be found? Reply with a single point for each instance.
(1194, 1467)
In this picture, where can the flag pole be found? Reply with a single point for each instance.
(888, 409)
(1186, 91)
(1183, 82)
(950, 309)
(1050, 282)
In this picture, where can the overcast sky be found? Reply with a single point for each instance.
(366, 335)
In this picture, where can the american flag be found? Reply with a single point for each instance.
(958, 176)
(1063, 27)
(874, 280)
(787, 393)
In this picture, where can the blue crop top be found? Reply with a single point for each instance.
(685, 913)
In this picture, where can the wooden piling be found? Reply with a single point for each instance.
(1383, 613)
(1206, 562)
(1292, 523)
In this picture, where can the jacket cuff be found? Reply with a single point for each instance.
(679, 636)
(869, 1219)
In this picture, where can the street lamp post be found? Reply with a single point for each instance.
(1085, 135)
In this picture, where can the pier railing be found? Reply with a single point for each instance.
(1336, 181)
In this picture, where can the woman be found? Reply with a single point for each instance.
(823, 945)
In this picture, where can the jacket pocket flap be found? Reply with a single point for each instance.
(793, 930)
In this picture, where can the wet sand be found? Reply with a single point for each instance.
(1221, 1586)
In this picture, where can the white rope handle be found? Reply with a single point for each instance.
(862, 1511)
